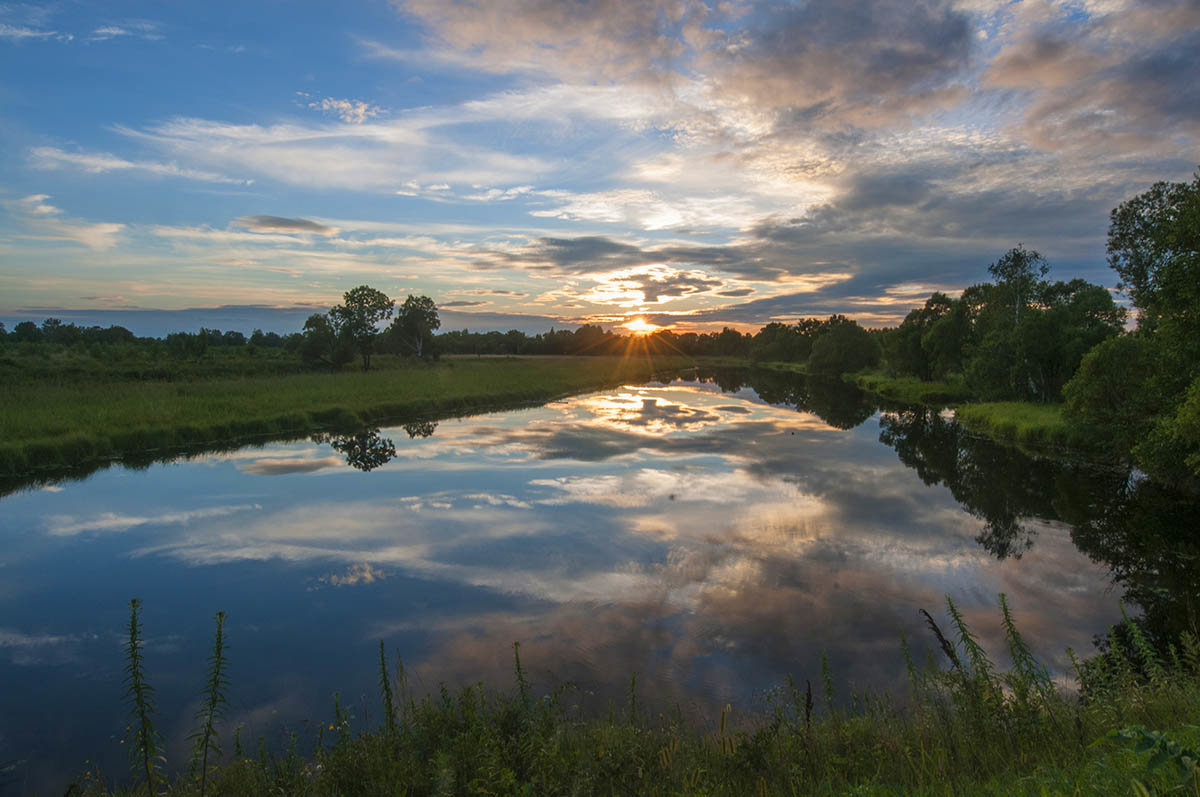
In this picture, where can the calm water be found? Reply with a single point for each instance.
(712, 536)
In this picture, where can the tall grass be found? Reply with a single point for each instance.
(48, 423)
(1131, 723)
(910, 390)
(1020, 422)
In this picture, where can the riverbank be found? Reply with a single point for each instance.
(965, 727)
(1020, 423)
(66, 422)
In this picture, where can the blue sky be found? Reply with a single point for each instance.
(530, 163)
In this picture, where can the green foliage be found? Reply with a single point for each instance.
(1144, 389)
(1020, 337)
(385, 694)
(971, 728)
(1165, 754)
(205, 740)
(412, 331)
(322, 343)
(1111, 400)
(1154, 245)
(357, 317)
(843, 348)
(145, 740)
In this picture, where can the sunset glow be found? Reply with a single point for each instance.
(548, 165)
(639, 326)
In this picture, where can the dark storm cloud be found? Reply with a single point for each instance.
(283, 225)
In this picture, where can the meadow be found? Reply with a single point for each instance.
(58, 417)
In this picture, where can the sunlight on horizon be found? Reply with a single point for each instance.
(640, 326)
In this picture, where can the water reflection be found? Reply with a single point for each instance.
(363, 451)
(713, 535)
(1142, 532)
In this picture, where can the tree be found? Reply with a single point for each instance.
(322, 344)
(1019, 272)
(844, 348)
(356, 318)
(1110, 399)
(415, 321)
(1154, 246)
(906, 345)
(26, 332)
(1144, 390)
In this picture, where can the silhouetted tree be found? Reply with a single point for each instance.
(415, 322)
(356, 318)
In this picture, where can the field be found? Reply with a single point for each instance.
(59, 418)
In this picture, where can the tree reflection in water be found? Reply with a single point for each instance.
(365, 451)
(417, 429)
(368, 449)
(1142, 531)
(840, 404)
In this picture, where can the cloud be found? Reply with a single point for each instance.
(372, 156)
(101, 162)
(650, 210)
(136, 28)
(610, 39)
(831, 63)
(21, 33)
(463, 303)
(69, 525)
(1122, 84)
(281, 466)
(350, 111)
(280, 224)
(49, 224)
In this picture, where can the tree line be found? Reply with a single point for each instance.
(1019, 336)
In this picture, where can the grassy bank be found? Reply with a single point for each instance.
(964, 727)
(909, 390)
(1019, 422)
(62, 422)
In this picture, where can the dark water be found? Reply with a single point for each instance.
(712, 535)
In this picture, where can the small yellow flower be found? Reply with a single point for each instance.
(331, 726)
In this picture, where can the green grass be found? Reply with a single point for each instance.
(964, 727)
(796, 368)
(1020, 422)
(67, 421)
(910, 390)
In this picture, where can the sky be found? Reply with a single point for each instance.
(530, 163)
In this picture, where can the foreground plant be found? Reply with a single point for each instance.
(967, 726)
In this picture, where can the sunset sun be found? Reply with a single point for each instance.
(639, 326)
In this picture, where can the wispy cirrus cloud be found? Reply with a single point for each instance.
(47, 222)
(103, 162)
